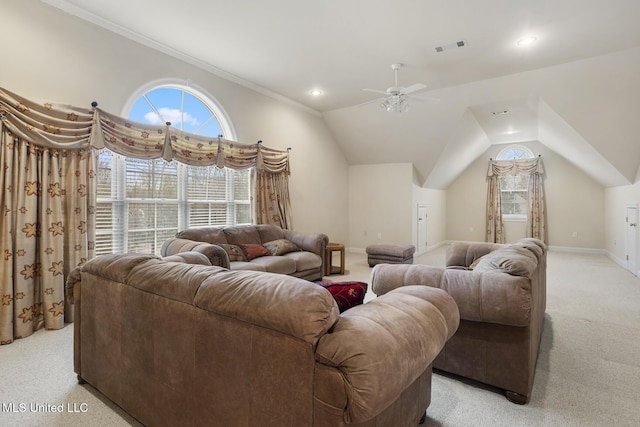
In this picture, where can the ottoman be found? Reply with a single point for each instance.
(390, 254)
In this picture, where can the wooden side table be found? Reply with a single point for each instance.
(328, 259)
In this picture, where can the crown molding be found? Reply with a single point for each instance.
(83, 14)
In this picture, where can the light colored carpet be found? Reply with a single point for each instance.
(588, 371)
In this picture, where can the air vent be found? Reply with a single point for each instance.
(455, 45)
(500, 113)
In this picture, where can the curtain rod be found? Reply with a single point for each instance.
(260, 142)
(94, 104)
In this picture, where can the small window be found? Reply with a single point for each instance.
(514, 188)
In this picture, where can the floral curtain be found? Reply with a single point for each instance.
(272, 203)
(536, 223)
(47, 224)
(495, 232)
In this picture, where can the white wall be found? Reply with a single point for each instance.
(50, 55)
(436, 202)
(574, 202)
(380, 204)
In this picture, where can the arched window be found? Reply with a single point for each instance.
(514, 188)
(142, 203)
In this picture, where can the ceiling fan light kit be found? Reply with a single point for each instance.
(395, 104)
(396, 97)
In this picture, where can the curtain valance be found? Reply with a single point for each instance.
(46, 124)
(135, 139)
(71, 128)
(516, 167)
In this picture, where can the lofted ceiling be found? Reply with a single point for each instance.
(575, 89)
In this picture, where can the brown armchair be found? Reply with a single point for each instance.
(500, 291)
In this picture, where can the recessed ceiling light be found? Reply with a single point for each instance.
(525, 41)
(316, 92)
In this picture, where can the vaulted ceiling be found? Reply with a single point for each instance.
(575, 89)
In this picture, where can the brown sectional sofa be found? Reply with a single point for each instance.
(174, 343)
(500, 291)
(222, 246)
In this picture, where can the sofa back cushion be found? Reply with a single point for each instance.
(278, 302)
(463, 254)
(286, 304)
(213, 235)
(269, 232)
(242, 234)
(514, 260)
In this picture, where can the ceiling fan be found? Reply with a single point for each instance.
(396, 97)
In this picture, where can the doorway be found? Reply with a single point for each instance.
(422, 229)
(632, 238)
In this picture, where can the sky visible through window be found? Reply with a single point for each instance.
(184, 110)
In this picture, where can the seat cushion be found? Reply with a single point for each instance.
(276, 264)
(305, 260)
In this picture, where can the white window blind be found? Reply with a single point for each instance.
(514, 189)
(142, 203)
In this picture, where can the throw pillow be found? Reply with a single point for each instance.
(281, 247)
(346, 294)
(253, 250)
(234, 252)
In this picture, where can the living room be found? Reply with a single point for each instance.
(341, 186)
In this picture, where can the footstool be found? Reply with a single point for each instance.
(390, 254)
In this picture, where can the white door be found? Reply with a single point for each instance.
(422, 229)
(632, 238)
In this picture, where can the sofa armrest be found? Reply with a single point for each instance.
(189, 257)
(381, 347)
(480, 296)
(310, 242)
(216, 254)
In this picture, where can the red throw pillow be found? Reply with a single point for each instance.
(346, 294)
(253, 250)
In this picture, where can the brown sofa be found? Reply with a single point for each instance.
(304, 259)
(174, 343)
(500, 291)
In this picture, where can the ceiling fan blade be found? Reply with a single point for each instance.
(429, 99)
(413, 88)
(369, 102)
(376, 91)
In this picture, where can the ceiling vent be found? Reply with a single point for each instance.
(456, 45)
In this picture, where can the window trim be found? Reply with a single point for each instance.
(205, 97)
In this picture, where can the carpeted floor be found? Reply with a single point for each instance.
(588, 371)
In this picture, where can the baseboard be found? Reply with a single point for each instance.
(577, 250)
(622, 263)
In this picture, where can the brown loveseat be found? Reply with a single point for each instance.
(187, 344)
(293, 253)
(500, 291)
